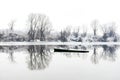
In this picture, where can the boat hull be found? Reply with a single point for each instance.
(65, 50)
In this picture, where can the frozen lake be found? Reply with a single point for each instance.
(40, 62)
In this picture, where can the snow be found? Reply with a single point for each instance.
(58, 43)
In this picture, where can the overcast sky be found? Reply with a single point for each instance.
(61, 12)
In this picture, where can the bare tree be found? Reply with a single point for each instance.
(104, 30)
(112, 32)
(11, 25)
(94, 26)
(40, 27)
(32, 25)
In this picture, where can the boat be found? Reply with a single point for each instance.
(70, 50)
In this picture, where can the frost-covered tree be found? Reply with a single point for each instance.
(64, 34)
(109, 33)
(75, 35)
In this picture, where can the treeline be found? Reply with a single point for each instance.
(101, 33)
(40, 29)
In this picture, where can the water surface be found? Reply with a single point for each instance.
(40, 62)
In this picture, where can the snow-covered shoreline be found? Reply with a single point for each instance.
(58, 43)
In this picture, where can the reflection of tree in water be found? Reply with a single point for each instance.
(11, 57)
(109, 52)
(10, 50)
(39, 57)
(94, 57)
(105, 52)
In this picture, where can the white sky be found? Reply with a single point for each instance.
(61, 12)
